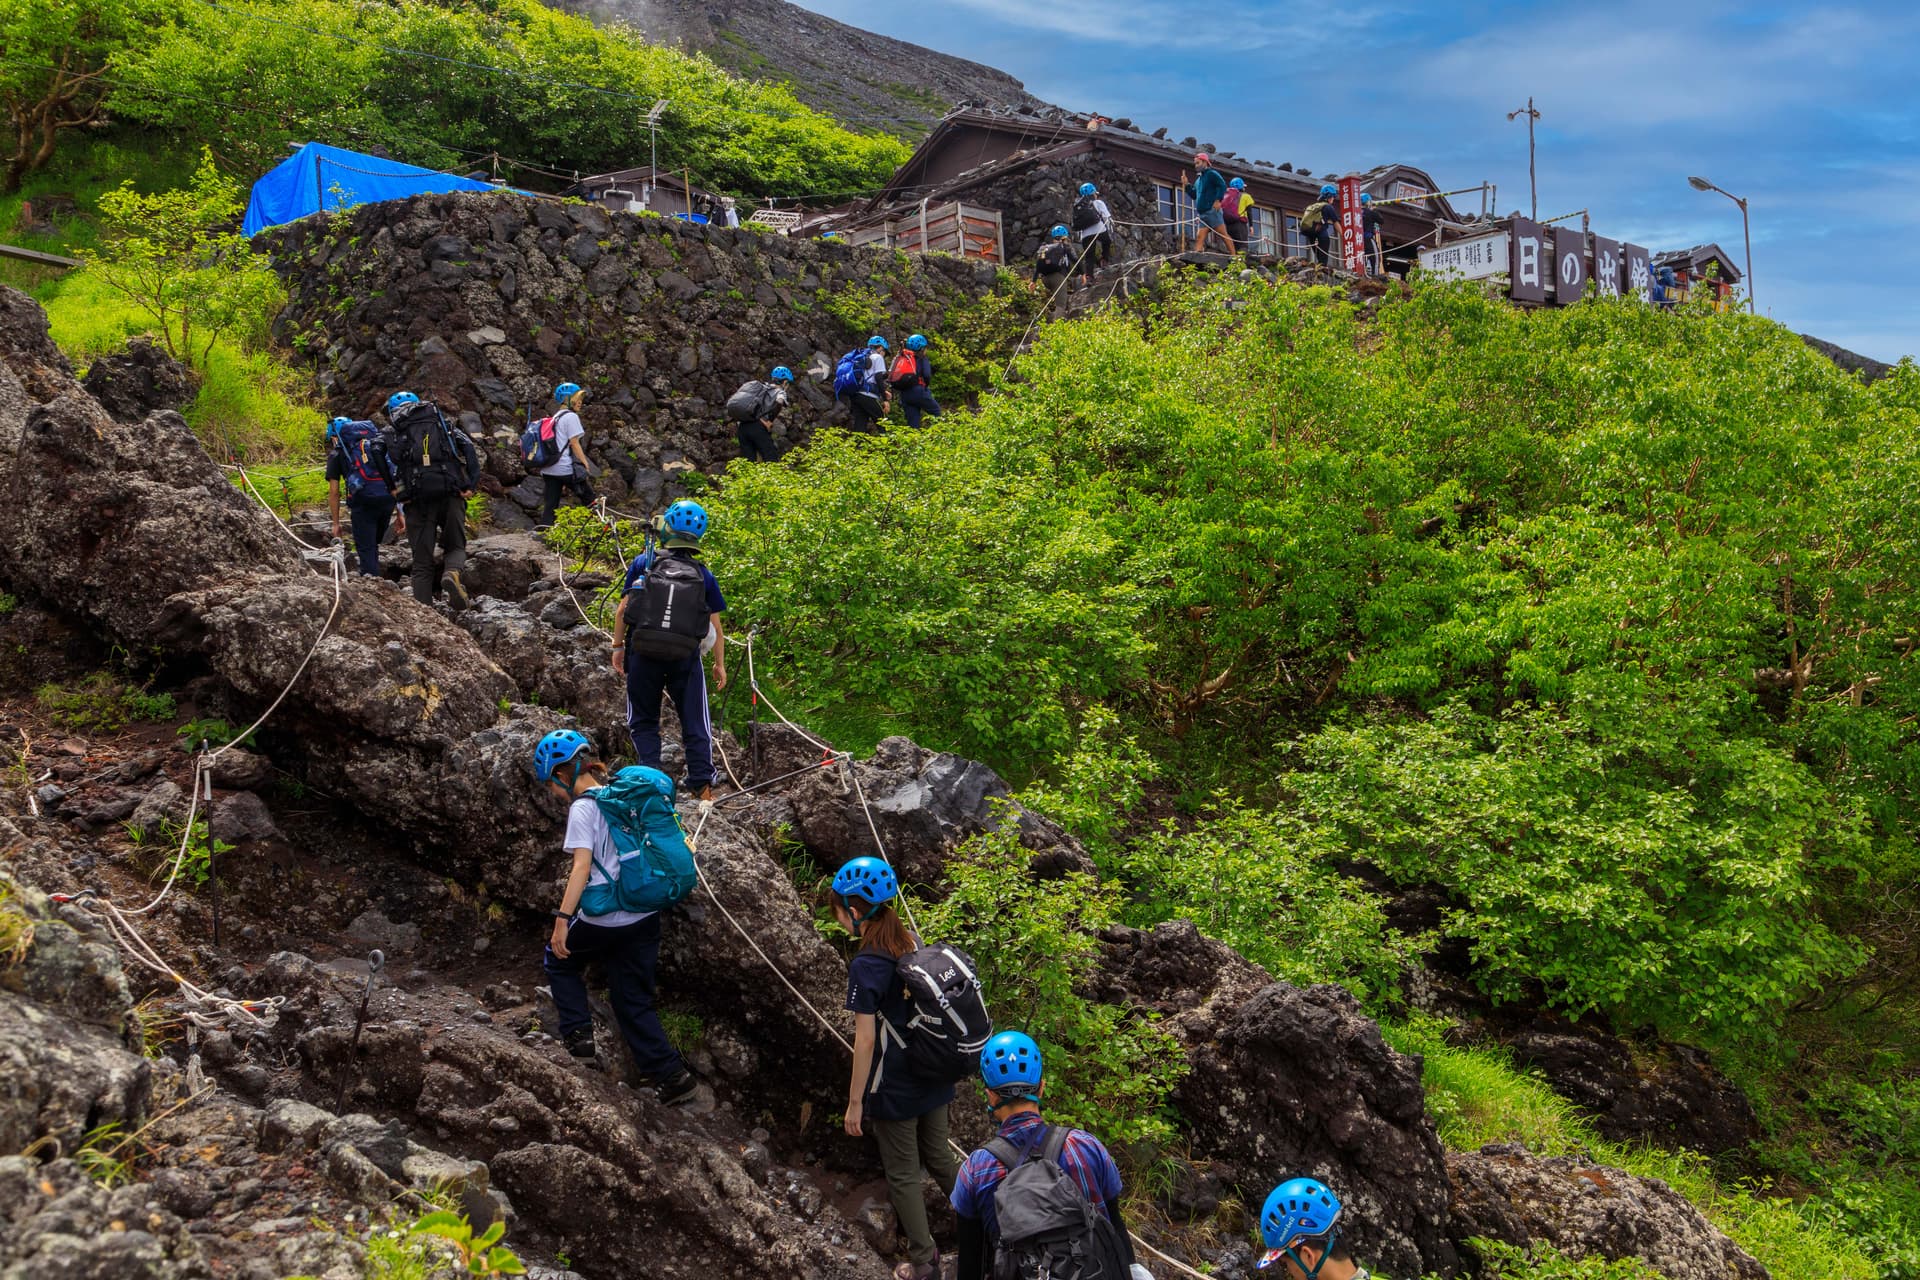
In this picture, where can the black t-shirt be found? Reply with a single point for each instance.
(1369, 226)
(892, 1092)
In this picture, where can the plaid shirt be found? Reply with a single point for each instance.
(1083, 1157)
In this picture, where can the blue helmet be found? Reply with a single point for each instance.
(566, 391)
(399, 399)
(868, 878)
(918, 342)
(1298, 1207)
(1329, 190)
(556, 749)
(1011, 1059)
(1366, 197)
(686, 518)
(877, 341)
(1238, 184)
(1088, 189)
(333, 428)
(781, 373)
(1059, 231)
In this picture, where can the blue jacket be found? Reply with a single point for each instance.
(1207, 189)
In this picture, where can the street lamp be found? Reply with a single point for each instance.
(1532, 188)
(1701, 184)
(653, 133)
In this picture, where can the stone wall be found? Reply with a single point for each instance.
(484, 302)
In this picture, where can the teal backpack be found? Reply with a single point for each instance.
(656, 864)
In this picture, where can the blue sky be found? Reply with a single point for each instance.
(1811, 113)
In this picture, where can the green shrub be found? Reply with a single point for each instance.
(102, 703)
(1092, 789)
(1543, 1262)
(1261, 882)
(1109, 1069)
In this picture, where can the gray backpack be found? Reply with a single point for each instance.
(1048, 1230)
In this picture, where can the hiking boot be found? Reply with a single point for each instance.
(918, 1270)
(703, 794)
(579, 1042)
(677, 1089)
(457, 593)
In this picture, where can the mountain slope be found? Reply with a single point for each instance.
(866, 80)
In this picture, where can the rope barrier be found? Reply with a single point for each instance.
(204, 1008)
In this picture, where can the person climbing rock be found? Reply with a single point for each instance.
(753, 409)
(627, 943)
(866, 394)
(1301, 1226)
(1317, 223)
(1028, 1158)
(669, 602)
(1053, 263)
(906, 1113)
(909, 378)
(570, 470)
(357, 457)
(1207, 188)
(437, 469)
(1093, 224)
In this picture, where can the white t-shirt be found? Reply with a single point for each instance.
(1105, 223)
(587, 829)
(566, 429)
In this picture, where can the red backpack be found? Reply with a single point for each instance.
(906, 369)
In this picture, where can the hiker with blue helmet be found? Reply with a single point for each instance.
(1371, 252)
(1300, 1224)
(1207, 188)
(752, 410)
(358, 458)
(1025, 1155)
(438, 469)
(1093, 224)
(570, 470)
(869, 397)
(1053, 261)
(906, 1113)
(1317, 223)
(627, 943)
(1233, 211)
(668, 618)
(909, 377)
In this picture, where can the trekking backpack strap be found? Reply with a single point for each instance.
(1009, 1156)
(1054, 1144)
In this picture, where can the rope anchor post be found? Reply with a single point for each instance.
(376, 959)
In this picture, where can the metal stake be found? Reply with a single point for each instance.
(375, 959)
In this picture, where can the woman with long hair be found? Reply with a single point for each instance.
(908, 1115)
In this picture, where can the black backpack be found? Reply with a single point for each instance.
(667, 610)
(950, 1023)
(432, 454)
(1047, 1228)
(1055, 256)
(751, 401)
(1084, 214)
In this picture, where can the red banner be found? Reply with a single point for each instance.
(1353, 251)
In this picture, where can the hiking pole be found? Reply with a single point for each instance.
(375, 959)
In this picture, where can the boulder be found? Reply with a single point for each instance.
(57, 1221)
(1668, 1094)
(1504, 1192)
(138, 381)
(923, 803)
(240, 818)
(238, 769)
(1299, 1082)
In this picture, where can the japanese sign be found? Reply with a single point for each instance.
(1606, 267)
(1411, 192)
(1469, 259)
(1569, 265)
(1639, 270)
(1529, 269)
(1352, 240)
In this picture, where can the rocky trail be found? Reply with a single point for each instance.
(387, 803)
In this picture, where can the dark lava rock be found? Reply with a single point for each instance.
(138, 381)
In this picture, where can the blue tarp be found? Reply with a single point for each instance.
(318, 177)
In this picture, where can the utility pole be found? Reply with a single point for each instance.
(1533, 187)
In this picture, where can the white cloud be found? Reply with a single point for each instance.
(1236, 25)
